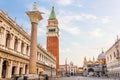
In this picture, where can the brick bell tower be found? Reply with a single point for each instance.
(53, 36)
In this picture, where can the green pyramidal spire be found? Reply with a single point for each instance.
(52, 15)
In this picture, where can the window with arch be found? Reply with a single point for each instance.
(27, 50)
(37, 55)
(40, 57)
(16, 44)
(22, 47)
(114, 54)
(117, 53)
(110, 57)
(43, 58)
(8, 39)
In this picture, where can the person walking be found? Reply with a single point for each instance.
(46, 77)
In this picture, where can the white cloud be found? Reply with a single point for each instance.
(96, 33)
(64, 2)
(75, 3)
(74, 30)
(66, 22)
(78, 17)
(71, 17)
(70, 29)
(94, 18)
(105, 19)
(65, 50)
(89, 16)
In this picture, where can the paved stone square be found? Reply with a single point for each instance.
(83, 78)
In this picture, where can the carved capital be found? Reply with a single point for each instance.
(35, 16)
(9, 62)
(11, 36)
(15, 63)
(1, 30)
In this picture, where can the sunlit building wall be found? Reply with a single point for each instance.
(15, 51)
(113, 59)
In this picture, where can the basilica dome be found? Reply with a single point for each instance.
(101, 55)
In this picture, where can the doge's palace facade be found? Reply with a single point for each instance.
(113, 60)
(15, 51)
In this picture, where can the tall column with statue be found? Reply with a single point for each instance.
(35, 17)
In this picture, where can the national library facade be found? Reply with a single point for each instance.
(15, 51)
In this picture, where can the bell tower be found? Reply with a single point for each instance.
(53, 36)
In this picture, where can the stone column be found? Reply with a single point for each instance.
(35, 17)
(29, 51)
(1, 61)
(25, 45)
(17, 68)
(28, 70)
(1, 36)
(9, 69)
(12, 41)
(23, 71)
(19, 45)
(4, 38)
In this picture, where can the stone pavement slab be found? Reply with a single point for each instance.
(82, 78)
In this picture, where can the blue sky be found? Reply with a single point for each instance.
(86, 26)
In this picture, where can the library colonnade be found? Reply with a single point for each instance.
(15, 50)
